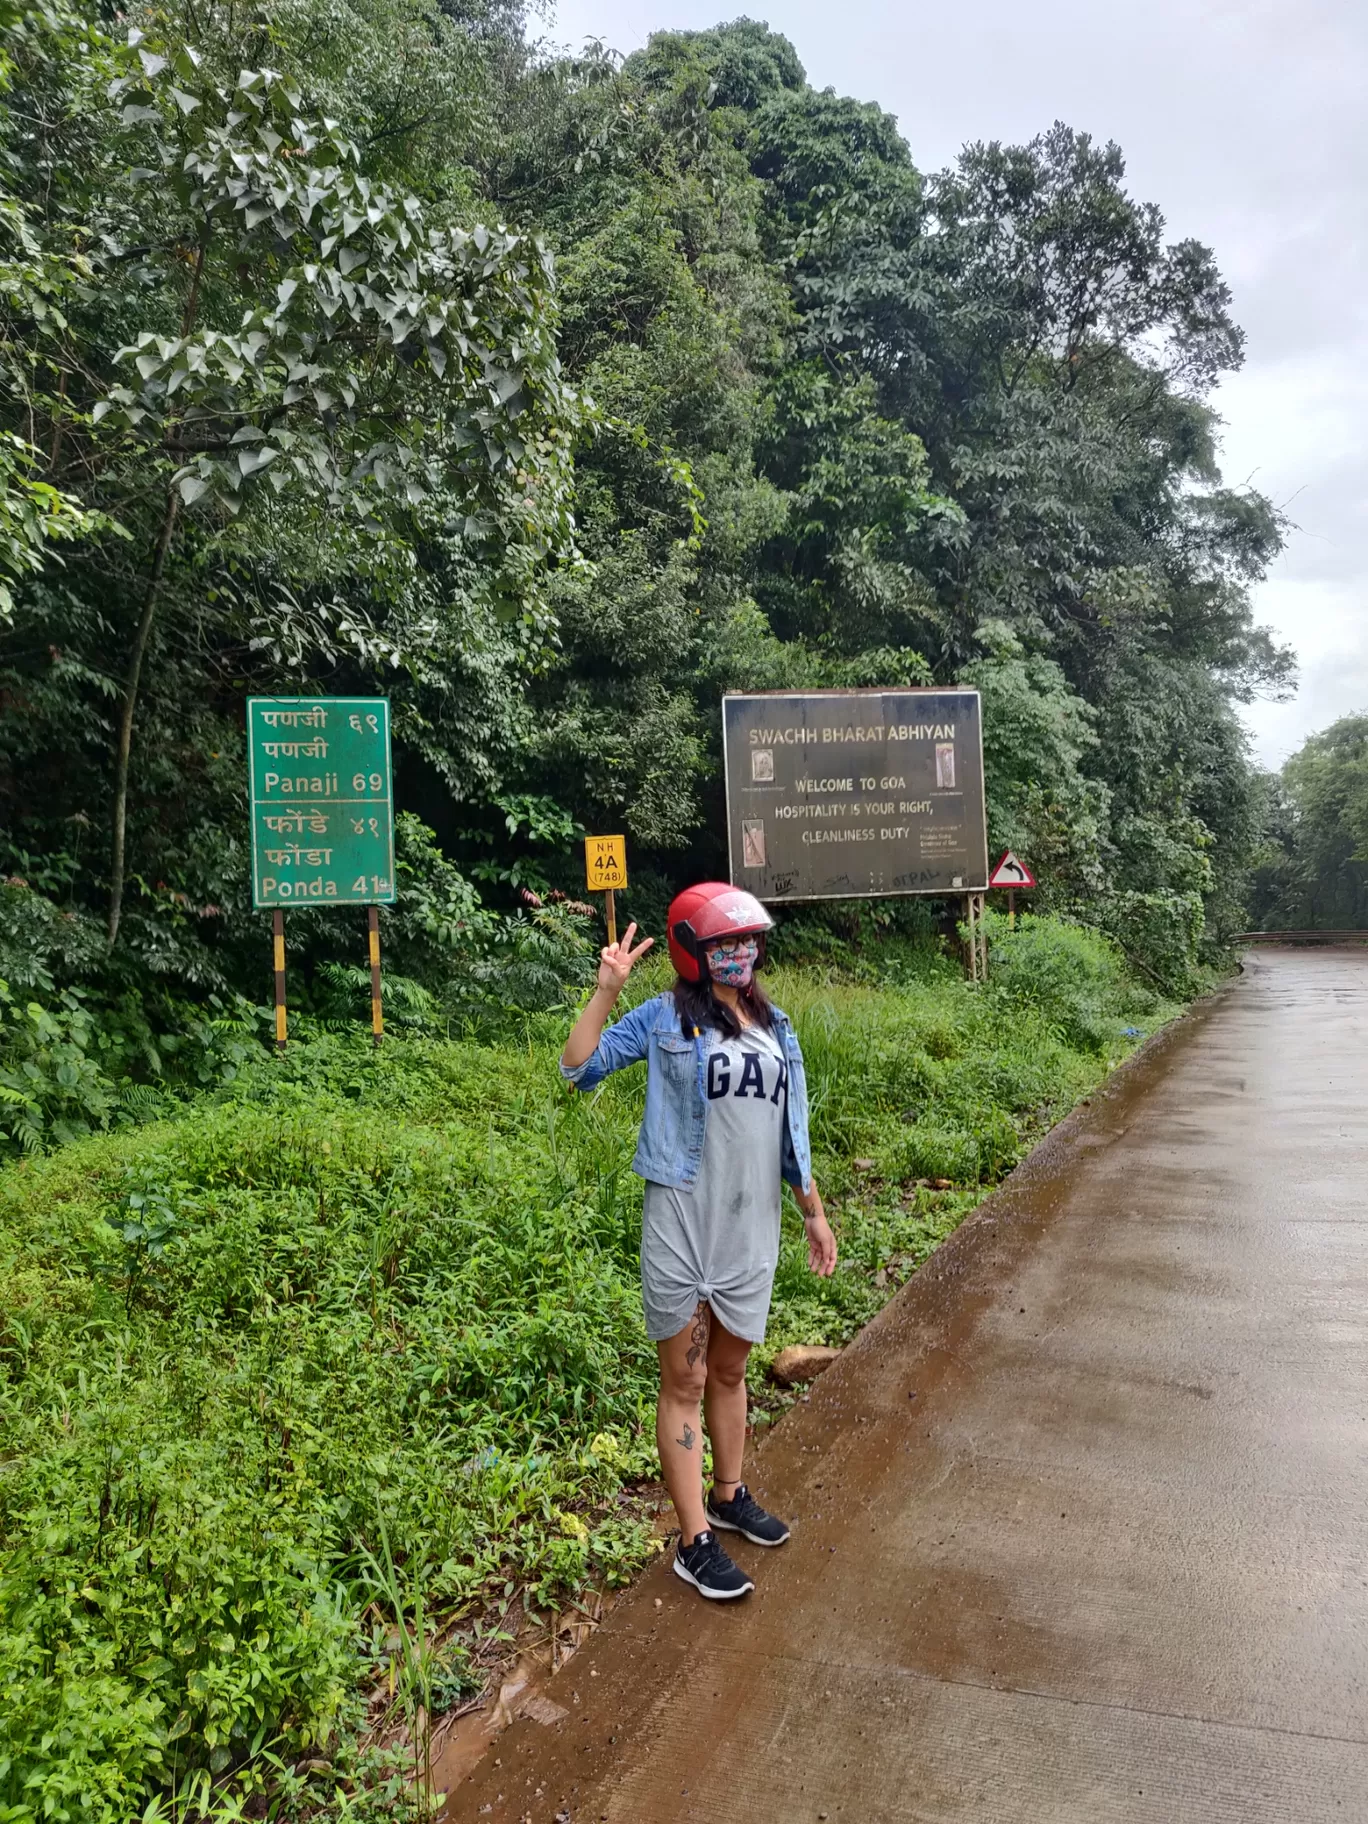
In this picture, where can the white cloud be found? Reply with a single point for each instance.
(1325, 622)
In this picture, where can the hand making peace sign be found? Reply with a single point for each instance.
(616, 960)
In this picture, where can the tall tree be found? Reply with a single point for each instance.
(1313, 867)
(286, 320)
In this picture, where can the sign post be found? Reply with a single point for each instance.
(373, 929)
(278, 944)
(855, 794)
(605, 870)
(322, 803)
(859, 794)
(976, 944)
(1011, 873)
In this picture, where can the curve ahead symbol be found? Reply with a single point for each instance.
(1010, 872)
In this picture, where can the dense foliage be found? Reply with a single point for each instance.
(300, 1389)
(294, 398)
(1312, 871)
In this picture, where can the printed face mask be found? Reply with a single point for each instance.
(734, 968)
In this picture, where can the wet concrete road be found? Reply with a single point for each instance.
(1081, 1521)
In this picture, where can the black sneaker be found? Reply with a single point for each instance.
(707, 1567)
(744, 1514)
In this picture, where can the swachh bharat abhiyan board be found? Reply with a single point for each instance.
(855, 794)
(322, 801)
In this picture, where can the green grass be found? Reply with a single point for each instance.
(355, 1348)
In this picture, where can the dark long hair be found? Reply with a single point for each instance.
(698, 1006)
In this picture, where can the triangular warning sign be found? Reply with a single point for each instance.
(1010, 872)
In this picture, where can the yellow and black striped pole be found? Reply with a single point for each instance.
(377, 1024)
(278, 933)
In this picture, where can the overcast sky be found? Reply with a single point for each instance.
(1247, 122)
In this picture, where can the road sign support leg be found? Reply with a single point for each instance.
(982, 937)
(971, 941)
(1011, 909)
(611, 911)
(377, 1020)
(278, 943)
(977, 945)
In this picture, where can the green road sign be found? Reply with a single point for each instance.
(322, 803)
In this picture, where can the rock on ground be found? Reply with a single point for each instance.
(801, 1362)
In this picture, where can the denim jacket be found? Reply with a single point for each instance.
(670, 1145)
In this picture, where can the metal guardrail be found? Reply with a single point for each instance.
(1300, 937)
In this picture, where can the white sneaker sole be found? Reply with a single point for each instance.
(681, 1570)
(725, 1526)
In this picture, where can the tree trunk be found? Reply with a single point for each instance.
(149, 609)
(130, 698)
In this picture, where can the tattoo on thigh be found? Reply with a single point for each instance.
(698, 1337)
(688, 1439)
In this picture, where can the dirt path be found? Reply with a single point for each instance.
(1080, 1522)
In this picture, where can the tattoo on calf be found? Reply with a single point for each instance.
(698, 1337)
(688, 1439)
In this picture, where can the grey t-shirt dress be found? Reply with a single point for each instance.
(718, 1240)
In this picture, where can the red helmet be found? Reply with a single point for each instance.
(702, 914)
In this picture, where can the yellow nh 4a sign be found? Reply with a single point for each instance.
(605, 863)
(605, 869)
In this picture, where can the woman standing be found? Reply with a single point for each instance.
(725, 1123)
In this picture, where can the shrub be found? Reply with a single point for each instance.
(1075, 978)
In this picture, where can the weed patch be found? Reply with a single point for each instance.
(295, 1385)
